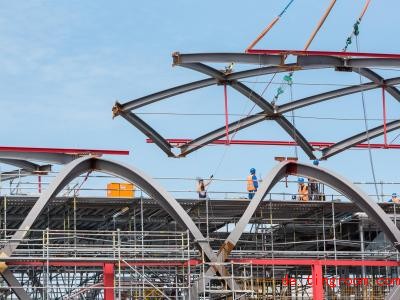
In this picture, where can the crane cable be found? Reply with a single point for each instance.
(371, 161)
(269, 27)
(235, 131)
(356, 25)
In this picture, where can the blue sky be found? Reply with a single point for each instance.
(63, 64)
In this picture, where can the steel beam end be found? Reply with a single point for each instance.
(226, 249)
(116, 109)
(3, 265)
(176, 58)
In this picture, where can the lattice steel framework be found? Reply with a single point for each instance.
(271, 64)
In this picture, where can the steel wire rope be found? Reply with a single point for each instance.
(235, 131)
(269, 27)
(293, 120)
(371, 161)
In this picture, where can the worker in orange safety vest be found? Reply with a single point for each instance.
(394, 198)
(302, 190)
(252, 183)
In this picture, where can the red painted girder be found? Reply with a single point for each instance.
(108, 281)
(71, 151)
(320, 145)
(324, 53)
(325, 262)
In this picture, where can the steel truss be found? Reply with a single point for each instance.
(176, 211)
(271, 63)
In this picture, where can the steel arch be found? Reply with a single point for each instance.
(273, 64)
(129, 173)
(351, 191)
(359, 138)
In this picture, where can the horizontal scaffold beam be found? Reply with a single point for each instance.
(196, 262)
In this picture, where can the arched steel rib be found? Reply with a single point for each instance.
(146, 100)
(282, 121)
(134, 104)
(371, 75)
(129, 173)
(303, 62)
(220, 132)
(325, 96)
(359, 138)
(148, 131)
(259, 101)
(337, 182)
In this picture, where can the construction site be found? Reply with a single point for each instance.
(79, 223)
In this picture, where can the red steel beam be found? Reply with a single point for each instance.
(71, 151)
(317, 284)
(108, 281)
(324, 262)
(324, 53)
(320, 145)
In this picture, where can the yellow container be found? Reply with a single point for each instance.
(120, 190)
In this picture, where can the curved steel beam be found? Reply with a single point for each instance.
(325, 96)
(259, 101)
(303, 62)
(337, 182)
(259, 117)
(220, 132)
(149, 132)
(134, 104)
(371, 75)
(359, 138)
(149, 99)
(129, 173)
(281, 120)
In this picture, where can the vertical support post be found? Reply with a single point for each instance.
(108, 281)
(226, 114)
(39, 184)
(317, 283)
(384, 116)
(362, 249)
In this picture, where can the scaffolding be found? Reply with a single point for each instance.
(94, 247)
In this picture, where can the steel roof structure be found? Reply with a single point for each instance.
(270, 64)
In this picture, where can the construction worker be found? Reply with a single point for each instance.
(394, 198)
(201, 187)
(252, 183)
(302, 190)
